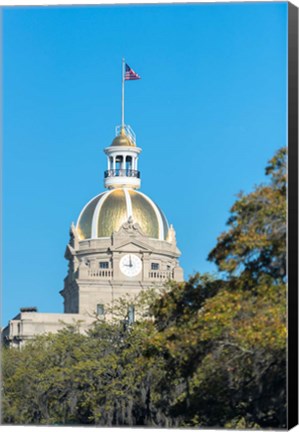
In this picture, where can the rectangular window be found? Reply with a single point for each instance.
(131, 314)
(100, 310)
(168, 267)
(155, 266)
(104, 264)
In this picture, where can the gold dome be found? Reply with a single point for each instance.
(123, 140)
(106, 213)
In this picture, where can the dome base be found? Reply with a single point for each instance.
(122, 181)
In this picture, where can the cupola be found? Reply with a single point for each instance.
(122, 160)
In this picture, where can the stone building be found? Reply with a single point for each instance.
(121, 244)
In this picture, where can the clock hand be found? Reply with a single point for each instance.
(130, 261)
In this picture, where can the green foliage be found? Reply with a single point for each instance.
(69, 378)
(224, 340)
(209, 352)
(255, 243)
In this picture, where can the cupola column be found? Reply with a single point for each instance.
(123, 164)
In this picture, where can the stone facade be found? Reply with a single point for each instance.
(88, 287)
(26, 325)
(121, 245)
(95, 277)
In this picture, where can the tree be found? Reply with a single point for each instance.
(209, 352)
(98, 378)
(224, 339)
(255, 244)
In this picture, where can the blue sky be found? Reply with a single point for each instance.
(209, 112)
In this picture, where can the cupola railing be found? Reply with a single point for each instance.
(118, 172)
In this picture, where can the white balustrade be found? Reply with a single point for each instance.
(160, 274)
(105, 274)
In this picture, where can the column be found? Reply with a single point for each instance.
(123, 164)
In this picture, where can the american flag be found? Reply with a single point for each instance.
(130, 74)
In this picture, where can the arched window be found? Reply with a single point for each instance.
(128, 163)
(118, 164)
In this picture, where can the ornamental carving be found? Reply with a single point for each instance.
(130, 226)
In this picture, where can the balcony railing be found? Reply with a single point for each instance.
(105, 274)
(166, 274)
(122, 173)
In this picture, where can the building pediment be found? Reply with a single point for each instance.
(131, 246)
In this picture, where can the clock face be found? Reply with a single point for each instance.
(130, 265)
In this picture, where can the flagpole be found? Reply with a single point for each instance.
(123, 95)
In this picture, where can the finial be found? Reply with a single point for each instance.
(171, 236)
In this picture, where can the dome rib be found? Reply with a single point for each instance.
(129, 203)
(164, 220)
(85, 214)
(106, 213)
(113, 213)
(96, 213)
(162, 235)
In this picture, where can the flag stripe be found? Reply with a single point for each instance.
(130, 74)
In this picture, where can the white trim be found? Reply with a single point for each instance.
(104, 195)
(166, 220)
(158, 214)
(122, 149)
(128, 203)
(86, 205)
(119, 182)
(94, 225)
